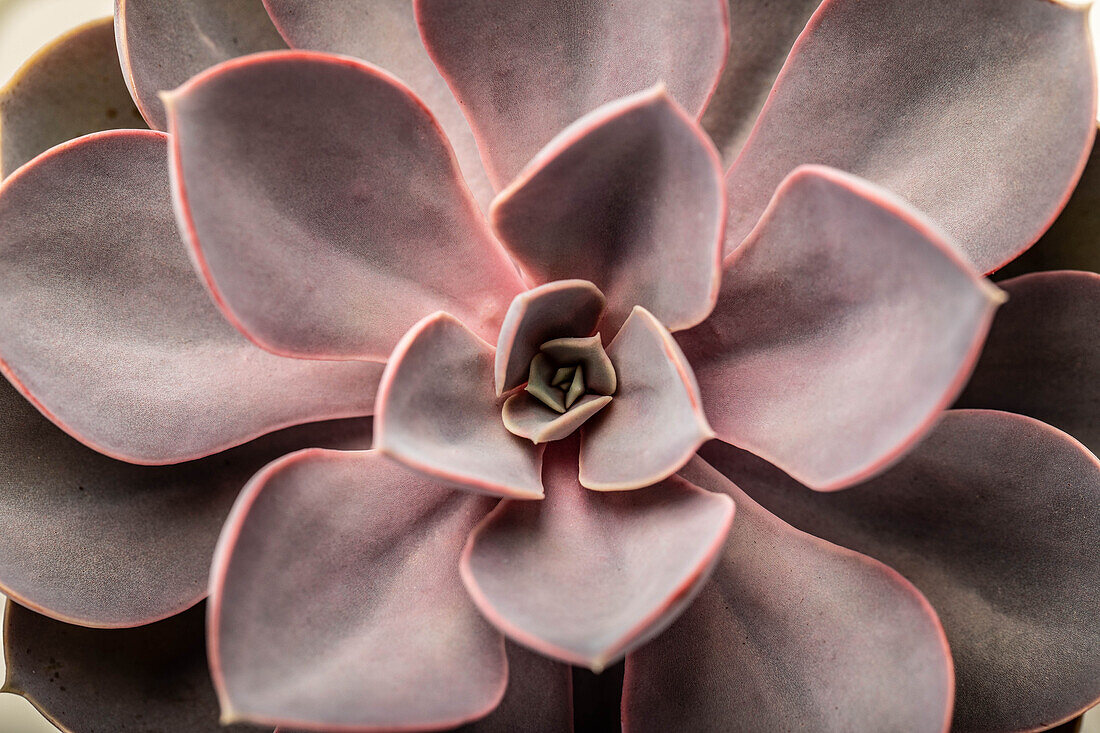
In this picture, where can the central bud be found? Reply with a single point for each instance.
(566, 369)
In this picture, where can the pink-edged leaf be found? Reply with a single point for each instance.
(162, 44)
(152, 679)
(1042, 358)
(761, 36)
(792, 632)
(996, 518)
(437, 413)
(845, 324)
(350, 562)
(934, 100)
(525, 69)
(629, 197)
(71, 87)
(384, 33)
(328, 235)
(561, 309)
(655, 422)
(1071, 242)
(109, 333)
(93, 541)
(584, 576)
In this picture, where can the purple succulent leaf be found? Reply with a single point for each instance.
(529, 418)
(71, 87)
(384, 33)
(564, 308)
(437, 413)
(321, 236)
(630, 197)
(996, 518)
(846, 323)
(934, 100)
(152, 679)
(584, 576)
(655, 421)
(792, 632)
(108, 332)
(93, 541)
(576, 57)
(162, 44)
(761, 36)
(1042, 357)
(336, 600)
(1071, 242)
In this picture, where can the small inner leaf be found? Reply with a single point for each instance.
(538, 383)
(576, 388)
(564, 375)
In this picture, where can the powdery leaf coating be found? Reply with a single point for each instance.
(565, 308)
(761, 35)
(655, 422)
(436, 412)
(845, 324)
(328, 235)
(585, 577)
(996, 518)
(1042, 357)
(525, 69)
(71, 87)
(97, 542)
(1071, 242)
(792, 632)
(384, 33)
(629, 197)
(935, 101)
(526, 417)
(108, 332)
(163, 44)
(336, 600)
(152, 679)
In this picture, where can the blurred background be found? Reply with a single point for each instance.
(26, 25)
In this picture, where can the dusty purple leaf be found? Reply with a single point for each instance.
(110, 334)
(151, 679)
(629, 197)
(350, 562)
(437, 412)
(655, 422)
(935, 101)
(525, 69)
(71, 87)
(996, 518)
(792, 632)
(1042, 357)
(845, 324)
(162, 44)
(93, 541)
(328, 235)
(584, 576)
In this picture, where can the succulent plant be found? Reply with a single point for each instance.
(552, 334)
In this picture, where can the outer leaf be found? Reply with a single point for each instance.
(934, 100)
(71, 87)
(631, 198)
(845, 324)
(655, 421)
(162, 44)
(585, 577)
(97, 542)
(525, 69)
(110, 335)
(372, 627)
(792, 633)
(328, 236)
(151, 679)
(996, 517)
(539, 698)
(437, 414)
(1043, 354)
(384, 33)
